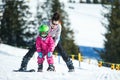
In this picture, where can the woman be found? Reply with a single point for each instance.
(55, 32)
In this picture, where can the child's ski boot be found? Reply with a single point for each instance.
(40, 67)
(51, 67)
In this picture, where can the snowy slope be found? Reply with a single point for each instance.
(10, 59)
(86, 23)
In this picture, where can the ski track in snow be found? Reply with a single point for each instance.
(107, 74)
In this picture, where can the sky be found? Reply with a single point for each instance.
(11, 57)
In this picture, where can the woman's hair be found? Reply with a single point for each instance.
(56, 16)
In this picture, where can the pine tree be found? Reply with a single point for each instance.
(88, 1)
(66, 34)
(95, 1)
(14, 25)
(47, 9)
(112, 43)
(1, 16)
(81, 1)
(38, 17)
(70, 1)
(106, 1)
(39, 13)
(52, 6)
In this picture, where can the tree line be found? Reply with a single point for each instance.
(112, 41)
(92, 1)
(17, 29)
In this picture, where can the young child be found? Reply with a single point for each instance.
(45, 46)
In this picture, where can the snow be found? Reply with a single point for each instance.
(86, 23)
(10, 59)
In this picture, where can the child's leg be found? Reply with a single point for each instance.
(50, 58)
(50, 62)
(40, 62)
(40, 58)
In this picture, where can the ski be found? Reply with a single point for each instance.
(31, 70)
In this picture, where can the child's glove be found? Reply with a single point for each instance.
(49, 54)
(40, 54)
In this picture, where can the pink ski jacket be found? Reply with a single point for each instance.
(45, 45)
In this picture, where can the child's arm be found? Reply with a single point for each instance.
(38, 48)
(51, 46)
